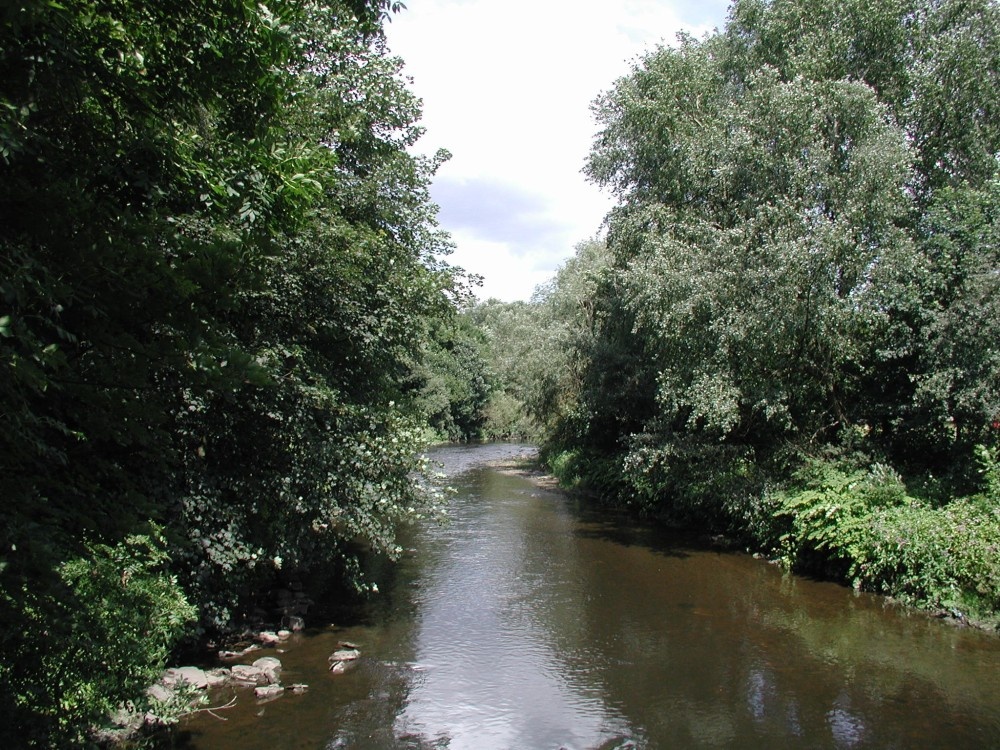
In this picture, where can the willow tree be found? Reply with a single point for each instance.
(776, 252)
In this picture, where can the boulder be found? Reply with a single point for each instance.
(218, 676)
(349, 654)
(192, 675)
(248, 674)
(268, 638)
(270, 667)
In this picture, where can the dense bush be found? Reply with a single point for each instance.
(945, 558)
(860, 524)
(92, 642)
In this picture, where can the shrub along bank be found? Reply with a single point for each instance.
(846, 519)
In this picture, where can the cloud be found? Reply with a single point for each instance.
(505, 275)
(497, 212)
(507, 87)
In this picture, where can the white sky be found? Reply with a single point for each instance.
(507, 87)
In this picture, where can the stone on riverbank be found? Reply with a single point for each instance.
(159, 692)
(192, 675)
(270, 667)
(218, 676)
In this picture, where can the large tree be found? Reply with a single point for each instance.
(805, 207)
(219, 262)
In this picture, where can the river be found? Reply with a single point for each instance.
(533, 620)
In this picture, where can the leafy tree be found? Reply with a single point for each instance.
(451, 385)
(532, 347)
(804, 222)
(932, 63)
(219, 263)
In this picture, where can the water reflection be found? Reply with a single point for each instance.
(531, 621)
(494, 679)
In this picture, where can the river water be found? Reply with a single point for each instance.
(531, 620)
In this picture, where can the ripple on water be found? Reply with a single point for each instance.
(531, 621)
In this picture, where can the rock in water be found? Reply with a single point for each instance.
(218, 676)
(248, 674)
(270, 667)
(345, 655)
(268, 691)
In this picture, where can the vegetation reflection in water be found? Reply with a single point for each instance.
(531, 620)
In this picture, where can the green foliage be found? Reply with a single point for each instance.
(219, 264)
(828, 507)
(505, 418)
(945, 558)
(861, 524)
(512, 335)
(925, 59)
(788, 262)
(956, 375)
(693, 483)
(586, 471)
(532, 347)
(753, 274)
(92, 641)
(451, 384)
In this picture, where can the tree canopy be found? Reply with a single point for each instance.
(219, 265)
(802, 283)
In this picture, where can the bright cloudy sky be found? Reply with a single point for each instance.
(507, 87)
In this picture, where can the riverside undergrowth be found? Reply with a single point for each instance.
(864, 526)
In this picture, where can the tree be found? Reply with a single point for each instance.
(219, 262)
(452, 383)
(531, 347)
(778, 258)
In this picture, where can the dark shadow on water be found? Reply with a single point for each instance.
(618, 526)
(676, 547)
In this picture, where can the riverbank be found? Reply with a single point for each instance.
(852, 523)
(529, 467)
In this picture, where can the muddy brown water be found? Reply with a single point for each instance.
(531, 620)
